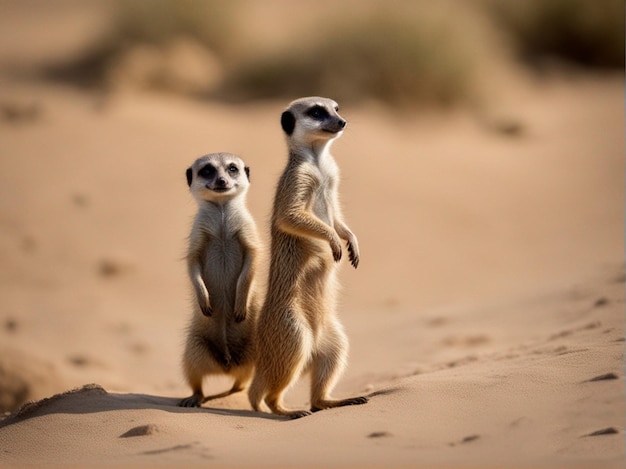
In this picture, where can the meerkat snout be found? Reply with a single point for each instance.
(220, 184)
(334, 126)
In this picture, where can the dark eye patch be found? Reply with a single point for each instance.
(207, 172)
(233, 169)
(318, 112)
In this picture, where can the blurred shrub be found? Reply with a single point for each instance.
(149, 26)
(403, 53)
(158, 21)
(384, 57)
(586, 32)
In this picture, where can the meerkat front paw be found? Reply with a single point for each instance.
(353, 250)
(202, 296)
(335, 246)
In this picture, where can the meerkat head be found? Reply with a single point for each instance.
(312, 119)
(218, 177)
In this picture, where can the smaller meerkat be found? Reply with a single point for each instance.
(298, 330)
(221, 262)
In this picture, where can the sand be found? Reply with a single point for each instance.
(486, 319)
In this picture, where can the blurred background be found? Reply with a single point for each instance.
(405, 53)
(483, 159)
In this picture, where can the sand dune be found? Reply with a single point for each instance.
(486, 319)
(555, 399)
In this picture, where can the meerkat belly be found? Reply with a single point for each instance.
(322, 208)
(222, 266)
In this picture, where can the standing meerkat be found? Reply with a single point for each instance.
(221, 263)
(298, 329)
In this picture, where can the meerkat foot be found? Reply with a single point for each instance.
(297, 414)
(330, 403)
(195, 400)
(278, 409)
(291, 414)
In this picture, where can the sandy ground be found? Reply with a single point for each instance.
(486, 318)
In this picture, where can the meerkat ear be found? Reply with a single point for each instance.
(189, 174)
(247, 170)
(288, 122)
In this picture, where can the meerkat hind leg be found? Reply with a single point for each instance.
(320, 401)
(326, 367)
(194, 379)
(273, 401)
(274, 396)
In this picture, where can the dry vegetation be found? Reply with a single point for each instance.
(589, 34)
(383, 56)
(404, 54)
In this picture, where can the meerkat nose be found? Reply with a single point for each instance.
(221, 182)
(342, 123)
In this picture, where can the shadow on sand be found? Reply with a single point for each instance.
(93, 398)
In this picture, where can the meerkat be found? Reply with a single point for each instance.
(298, 330)
(221, 262)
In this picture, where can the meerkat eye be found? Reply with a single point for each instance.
(317, 112)
(336, 108)
(233, 169)
(207, 171)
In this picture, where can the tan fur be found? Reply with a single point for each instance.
(221, 261)
(298, 330)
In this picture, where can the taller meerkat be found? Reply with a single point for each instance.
(221, 261)
(298, 330)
